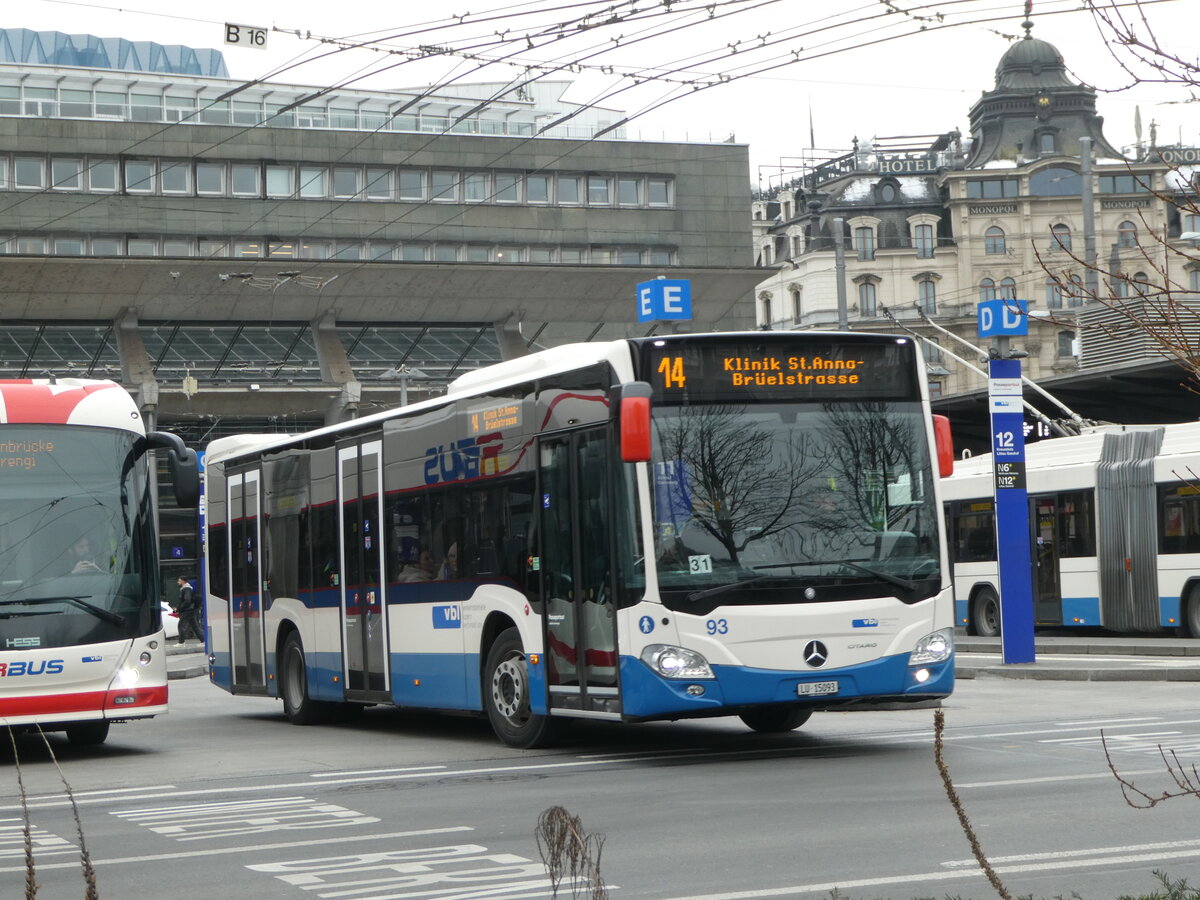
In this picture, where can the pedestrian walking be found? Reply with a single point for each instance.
(188, 608)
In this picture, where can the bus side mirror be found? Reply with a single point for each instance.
(185, 468)
(945, 445)
(631, 407)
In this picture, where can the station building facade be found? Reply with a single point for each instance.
(933, 225)
(250, 256)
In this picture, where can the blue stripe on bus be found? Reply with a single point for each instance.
(1169, 612)
(1081, 612)
(643, 693)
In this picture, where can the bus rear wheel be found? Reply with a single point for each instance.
(300, 708)
(1190, 614)
(506, 695)
(87, 734)
(985, 614)
(776, 719)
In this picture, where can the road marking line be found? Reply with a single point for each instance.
(375, 771)
(1067, 854)
(1052, 778)
(221, 851)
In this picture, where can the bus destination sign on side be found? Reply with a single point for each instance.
(715, 371)
(494, 417)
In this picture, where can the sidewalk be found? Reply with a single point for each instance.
(1087, 658)
(186, 660)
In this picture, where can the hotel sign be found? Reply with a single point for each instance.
(1175, 156)
(991, 209)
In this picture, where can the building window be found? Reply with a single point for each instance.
(658, 191)
(1126, 234)
(476, 187)
(935, 389)
(1141, 284)
(243, 180)
(445, 253)
(599, 190)
(508, 188)
(281, 181)
(1124, 184)
(1190, 222)
(993, 189)
(568, 190)
(347, 182)
(1046, 143)
(66, 174)
(508, 254)
(314, 182)
(174, 178)
(797, 309)
(379, 184)
(864, 242)
(102, 175)
(29, 174)
(210, 178)
(866, 300)
(931, 349)
(139, 176)
(987, 290)
(993, 241)
(412, 184)
(1075, 292)
(1055, 182)
(444, 186)
(1008, 289)
(141, 247)
(106, 247)
(1194, 280)
(537, 189)
(1054, 298)
(924, 238)
(927, 296)
(68, 246)
(413, 253)
(629, 191)
(1060, 237)
(1066, 343)
(887, 193)
(177, 247)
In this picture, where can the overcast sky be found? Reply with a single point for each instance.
(857, 67)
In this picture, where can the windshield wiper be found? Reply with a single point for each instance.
(722, 588)
(98, 611)
(876, 573)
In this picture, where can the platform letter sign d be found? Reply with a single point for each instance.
(664, 298)
(1003, 318)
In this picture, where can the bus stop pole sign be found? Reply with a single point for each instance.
(1012, 511)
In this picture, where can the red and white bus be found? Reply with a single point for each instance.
(81, 637)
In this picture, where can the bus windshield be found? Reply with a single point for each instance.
(793, 502)
(76, 551)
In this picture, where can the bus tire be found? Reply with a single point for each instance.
(87, 734)
(985, 613)
(300, 708)
(1189, 615)
(506, 695)
(776, 719)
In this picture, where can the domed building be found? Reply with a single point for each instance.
(931, 227)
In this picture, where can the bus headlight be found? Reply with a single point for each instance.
(676, 662)
(933, 648)
(128, 677)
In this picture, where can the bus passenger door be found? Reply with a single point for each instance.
(364, 602)
(576, 553)
(247, 652)
(1047, 602)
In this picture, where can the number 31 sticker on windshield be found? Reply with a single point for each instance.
(699, 564)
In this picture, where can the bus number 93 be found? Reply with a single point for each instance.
(717, 626)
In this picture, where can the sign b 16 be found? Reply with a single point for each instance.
(246, 36)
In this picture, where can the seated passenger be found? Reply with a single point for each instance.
(421, 570)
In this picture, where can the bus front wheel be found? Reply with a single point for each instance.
(506, 695)
(776, 719)
(300, 708)
(87, 734)
(985, 614)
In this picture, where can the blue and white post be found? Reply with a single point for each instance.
(1000, 320)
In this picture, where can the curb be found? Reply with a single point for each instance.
(1029, 672)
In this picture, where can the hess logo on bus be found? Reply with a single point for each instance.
(28, 667)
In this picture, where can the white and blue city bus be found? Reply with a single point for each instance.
(691, 525)
(81, 636)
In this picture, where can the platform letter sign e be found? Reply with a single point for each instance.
(1002, 318)
(664, 298)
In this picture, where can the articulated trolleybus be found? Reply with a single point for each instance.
(81, 639)
(1114, 517)
(659, 528)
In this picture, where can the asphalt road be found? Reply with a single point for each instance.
(222, 798)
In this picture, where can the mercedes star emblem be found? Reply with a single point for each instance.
(815, 654)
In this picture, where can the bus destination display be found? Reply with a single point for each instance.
(779, 370)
